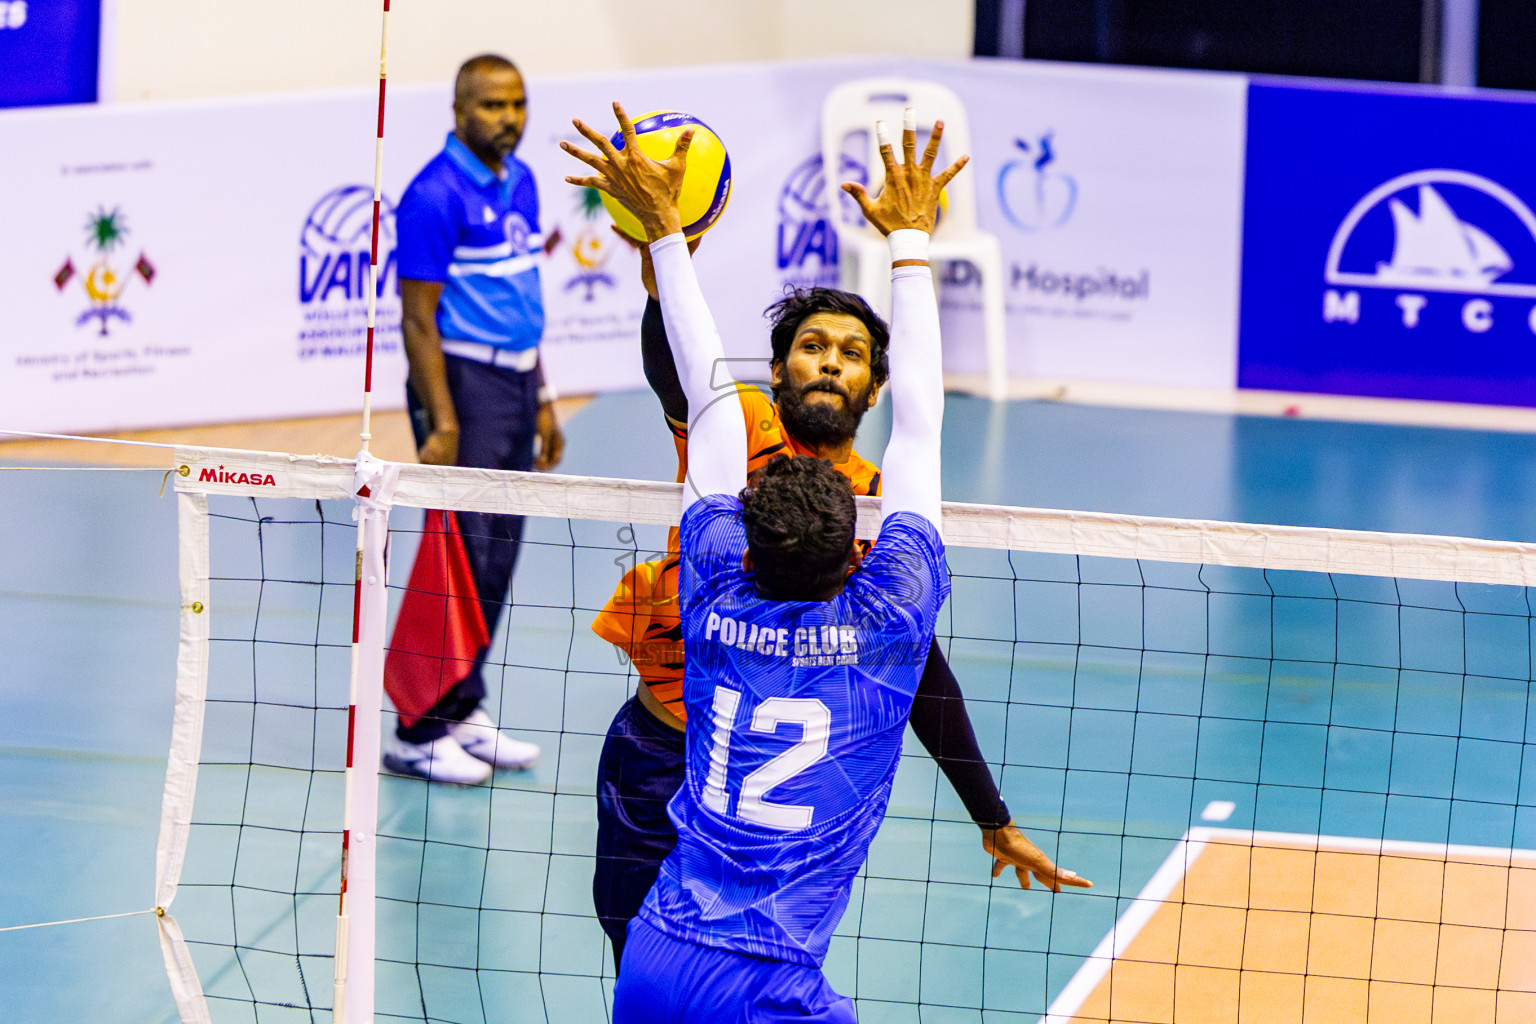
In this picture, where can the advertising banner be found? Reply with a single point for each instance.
(189, 263)
(49, 51)
(1390, 245)
(201, 262)
(1117, 196)
(207, 262)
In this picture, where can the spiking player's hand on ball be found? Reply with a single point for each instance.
(910, 196)
(647, 188)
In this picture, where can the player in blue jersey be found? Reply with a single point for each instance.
(803, 657)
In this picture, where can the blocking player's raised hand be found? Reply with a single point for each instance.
(647, 188)
(909, 198)
(1010, 847)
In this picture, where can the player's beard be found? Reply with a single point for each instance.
(819, 424)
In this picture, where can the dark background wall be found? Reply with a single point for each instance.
(1380, 40)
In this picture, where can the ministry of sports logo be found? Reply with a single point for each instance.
(1431, 238)
(591, 246)
(335, 250)
(106, 231)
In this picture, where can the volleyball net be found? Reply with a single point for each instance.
(1298, 765)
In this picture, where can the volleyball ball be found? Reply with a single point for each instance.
(706, 180)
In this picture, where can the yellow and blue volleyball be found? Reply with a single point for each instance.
(706, 181)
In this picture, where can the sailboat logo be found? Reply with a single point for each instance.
(1434, 247)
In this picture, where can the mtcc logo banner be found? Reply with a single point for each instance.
(1395, 258)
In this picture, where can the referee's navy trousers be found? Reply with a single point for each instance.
(498, 410)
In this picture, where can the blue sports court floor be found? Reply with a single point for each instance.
(88, 605)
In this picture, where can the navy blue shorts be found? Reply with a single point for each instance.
(498, 410)
(638, 772)
(669, 981)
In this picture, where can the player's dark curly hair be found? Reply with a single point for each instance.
(790, 312)
(799, 518)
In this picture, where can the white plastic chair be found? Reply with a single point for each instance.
(863, 258)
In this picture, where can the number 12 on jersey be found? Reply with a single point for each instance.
(815, 722)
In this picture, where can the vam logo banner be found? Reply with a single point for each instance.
(806, 238)
(1390, 246)
(335, 249)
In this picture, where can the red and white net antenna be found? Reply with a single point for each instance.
(355, 932)
(373, 248)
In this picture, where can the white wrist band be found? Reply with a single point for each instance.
(547, 394)
(665, 241)
(908, 244)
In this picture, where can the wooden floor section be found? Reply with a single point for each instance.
(323, 435)
(1271, 928)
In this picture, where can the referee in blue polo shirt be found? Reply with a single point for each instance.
(472, 314)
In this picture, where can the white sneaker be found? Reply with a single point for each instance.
(440, 760)
(479, 738)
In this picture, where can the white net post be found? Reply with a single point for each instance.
(186, 749)
(374, 483)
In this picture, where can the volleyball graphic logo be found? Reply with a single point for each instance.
(806, 252)
(335, 245)
(706, 182)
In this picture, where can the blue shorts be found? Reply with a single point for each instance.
(669, 981)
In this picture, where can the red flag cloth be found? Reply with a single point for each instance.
(441, 628)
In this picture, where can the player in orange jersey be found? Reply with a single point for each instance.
(827, 369)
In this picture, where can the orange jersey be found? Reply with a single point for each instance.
(642, 618)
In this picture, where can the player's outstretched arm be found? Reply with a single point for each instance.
(655, 350)
(905, 211)
(659, 366)
(717, 444)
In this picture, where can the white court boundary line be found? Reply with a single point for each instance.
(1175, 868)
(1173, 871)
(1354, 844)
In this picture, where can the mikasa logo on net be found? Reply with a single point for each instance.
(1433, 239)
(221, 475)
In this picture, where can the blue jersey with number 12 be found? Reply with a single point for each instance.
(796, 711)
